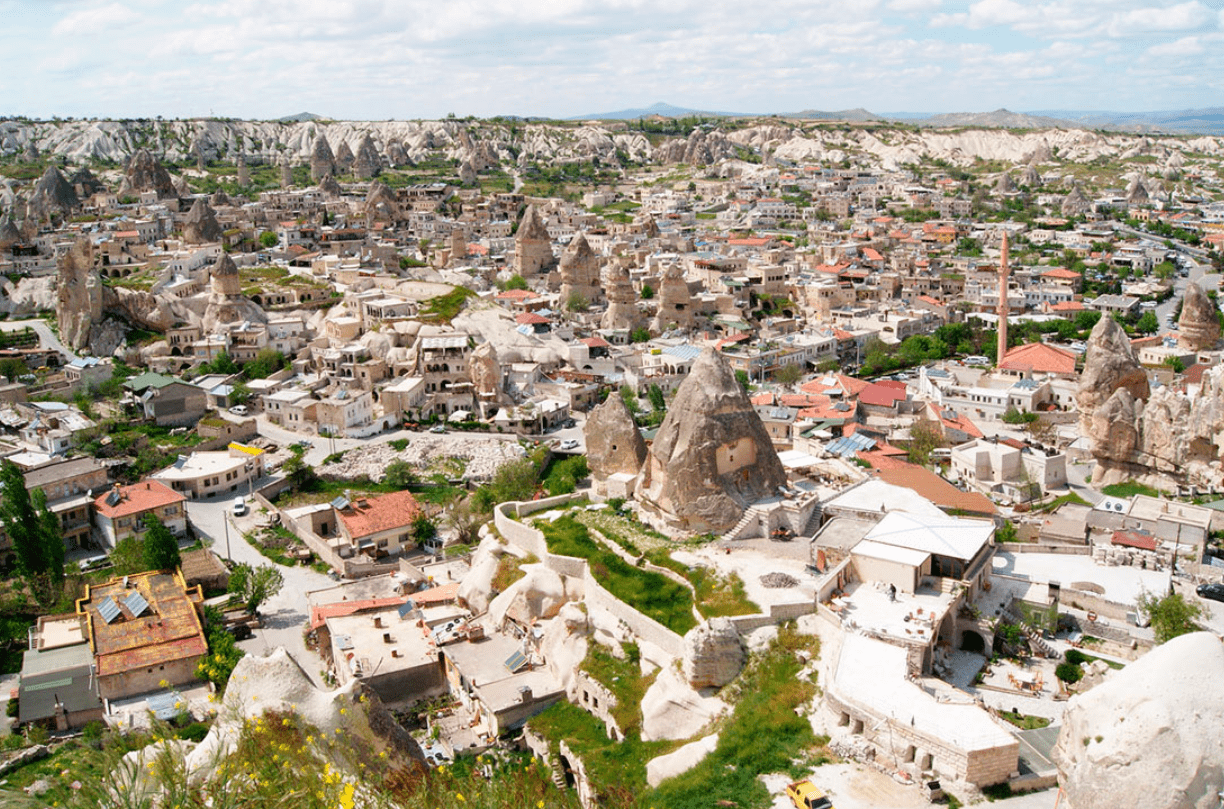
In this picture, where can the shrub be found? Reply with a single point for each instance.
(1076, 656)
(1069, 672)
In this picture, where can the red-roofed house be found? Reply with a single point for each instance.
(379, 526)
(538, 323)
(955, 426)
(881, 398)
(1133, 539)
(121, 512)
(1064, 277)
(1039, 358)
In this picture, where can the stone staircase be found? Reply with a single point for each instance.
(813, 523)
(558, 773)
(1036, 641)
(733, 534)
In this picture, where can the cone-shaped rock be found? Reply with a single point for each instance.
(1075, 203)
(144, 173)
(580, 272)
(1137, 194)
(613, 442)
(53, 194)
(675, 301)
(712, 457)
(330, 187)
(79, 291)
(367, 163)
(322, 161)
(1109, 364)
(85, 183)
(1199, 326)
(532, 245)
(344, 158)
(622, 312)
(1005, 185)
(200, 225)
(1030, 176)
(10, 234)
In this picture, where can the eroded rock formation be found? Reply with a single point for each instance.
(1198, 328)
(1109, 364)
(622, 312)
(145, 173)
(79, 305)
(53, 195)
(713, 654)
(200, 225)
(580, 274)
(675, 301)
(1154, 729)
(322, 161)
(532, 245)
(613, 442)
(712, 457)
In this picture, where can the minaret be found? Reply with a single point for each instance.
(1003, 272)
(244, 174)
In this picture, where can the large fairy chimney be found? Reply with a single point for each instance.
(1003, 275)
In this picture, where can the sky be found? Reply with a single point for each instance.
(393, 59)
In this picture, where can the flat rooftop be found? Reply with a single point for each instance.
(168, 629)
(410, 645)
(1122, 584)
(870, 608)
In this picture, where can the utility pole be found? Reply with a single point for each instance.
(225, 519)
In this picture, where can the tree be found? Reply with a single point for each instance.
(254, 586)
(1176, 364)
(464, 519)
(577, 303)
(647, 292)
(161, 550)
(1068, 672)
(240, 392)
(657, 401)
(639, 335)
(1148, 324)
(423, 528)
(267, 362)
(789, 374)
(1171, 615)
(11, 368)
(34, 532)
(268, 239)
(924, 438)
(299, 474)
(516, 281)
(631, 399)
(742, 378)
(400, 474)
(513, 480)
(221, 364)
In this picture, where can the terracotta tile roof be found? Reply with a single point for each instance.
(1067, 306)
(937, 490)
(595, 342)
(137, 499)
(882, 394)
(1133, 539)
(321, 612)
(436, 595)
(872, 255)
(959, 422)
(1061, 272)
(762, 399)
(529, 319)
(930, 300)
(374, 515)
(757, 242)
(516, 295)
(1039, 357)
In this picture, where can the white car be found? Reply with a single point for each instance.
(239, 410)
(240, 507)
(569, 443)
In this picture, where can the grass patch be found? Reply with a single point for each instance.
(623, 677)
(323, 491)
(1059, 502)
(764, 734)
(1077, 657)
(444, 308)
(510, 570)
(1024, 722)
(652, 594)
(398, 444)
(719, 596)
(1129, 489)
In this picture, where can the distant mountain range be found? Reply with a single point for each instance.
(1209, 121)
(301, 117)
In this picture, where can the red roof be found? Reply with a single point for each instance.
(516, 295)
(957, 421)
(872, 255)
(762, 399)
(1134, 539)
(374, 515)
(1061, 272)
(930, 300)
(936, 489)
(1039, 357)
(756, 242)
(882, 394)
(1067, 306)
(529, 319)
(436, 595)
(320, 613)
(595, 342)
(136, 499)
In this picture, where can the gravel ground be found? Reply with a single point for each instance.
(483, 456)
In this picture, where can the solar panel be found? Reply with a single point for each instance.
(516, 661)
(109, 610)
(340, 503)
(406, 608)
(136, 604)
(113, 498)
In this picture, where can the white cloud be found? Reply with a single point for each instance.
(913, 6)
(89, 21)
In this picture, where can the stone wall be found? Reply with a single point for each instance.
(593, 697)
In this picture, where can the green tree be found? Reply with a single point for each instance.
(268, 239)
(400, 474)
(34, 532)
(254, 586)
(161, 550)
(299, 473)
(240, 392)
(423, 528)
(1069, 672)
(639, 335)
(221, 364)
(742, 378)
(516, 281)
(631, 399)
(657, 401)
(267, 362)
(1171, 615)
(1147, 324)
(924, 438)
(1176, 364)
(1165, 270)
(647, 292)
(577, 303)
(513, 480)
(11, 368)
(789, 374)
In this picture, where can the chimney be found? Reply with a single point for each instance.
(525, 694)
(378, 622)
(387, 638)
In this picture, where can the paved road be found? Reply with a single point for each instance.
(286, 614)
(45, 334)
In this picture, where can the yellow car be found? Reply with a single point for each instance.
(806, 795)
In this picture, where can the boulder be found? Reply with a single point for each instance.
(711, 457)
(713, 654)
(622, 312)
(613, 442)
(679, 761)
(1198, 328)
(673, 709)
(565, 643)
(476, 588)
(539, 594)
(1154, 729)
(331, 188)
(200, 225)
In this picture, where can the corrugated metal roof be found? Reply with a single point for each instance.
(684, 352)
(850, 445)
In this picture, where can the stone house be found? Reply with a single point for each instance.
(209, 474)
(121, 512)
(378, 526)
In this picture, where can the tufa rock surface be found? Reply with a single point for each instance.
(367, 163)
(614, 443)
(675, 301)
(712, 457)
(533, 252)
(622, 312)
(79, 304)
(145, 173)
(1198, 328)
(344, 158)
(713, 654)
(1154, 729)
(580, 273)
(200, 225)
(322, 161)
(53, 195)
(1109, 364)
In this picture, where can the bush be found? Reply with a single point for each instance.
(1076, 656)
(194, 732)
(12, 709)
(1069, 672)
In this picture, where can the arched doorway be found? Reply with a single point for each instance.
(971, 641)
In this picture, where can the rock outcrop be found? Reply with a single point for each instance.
(533, 252)
(622, 311)
(712, 457)
(145, 173)
(673, 709)
(1154, 729)
(200, 226)
(10, 234)
(580, 274)
(486, 372)
(539, 594)
(713, 654)
(367, 163)
(613, 442)
(85, 183)
(1109, 364)
(1198, 328)
(344, 158)
(1075, 203)
(322, 161)
(331, 188)
(675, 301)
(79, 306)
(53, 195)
(226, 303)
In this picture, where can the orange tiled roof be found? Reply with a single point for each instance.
(374, 515)
(1039, 357)
(320, 613)
(137, 499)
(936, 489)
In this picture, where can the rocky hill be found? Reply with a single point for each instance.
(507, 142)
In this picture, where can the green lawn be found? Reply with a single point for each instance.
(1129, 489)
